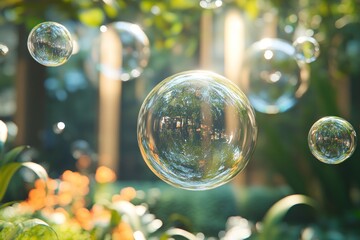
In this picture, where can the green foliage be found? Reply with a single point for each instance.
(277, 212)
(28, 230)
(21, 229)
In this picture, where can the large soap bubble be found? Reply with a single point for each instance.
(196, 130)
(307, 49)
(121, 51)
(273, 79)
(332, 140)
(50, 44)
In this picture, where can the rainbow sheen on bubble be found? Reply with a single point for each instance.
(307, 49)
(196, 130)
(332, 140)
(50, 44)
(272, 78)
(121, 51)
(211, 4)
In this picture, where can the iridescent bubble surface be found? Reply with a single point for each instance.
(211, 4)
(272, 78)
(332, 140)
(121, 52)
(50, 44)
(196, 130)
(307, 49)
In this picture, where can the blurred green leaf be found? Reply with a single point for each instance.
(32, 229)
(111, 11)
(178, 232)
(5, 228)
(115, 218)
(13, 155)
(183, 4)
(277, 212)
(8, 171)
(92, 16)
(7, 3)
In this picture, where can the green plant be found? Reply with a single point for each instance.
(20, 229)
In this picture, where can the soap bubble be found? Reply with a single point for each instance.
(59, 127)
(272, 78)
(79, 148)
(332, 140)
(50, 44)
(3, 50)
(196, 130)
(307, 49)
(3, 134)
(211, 4)
(121, 51)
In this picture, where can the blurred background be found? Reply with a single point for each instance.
(73, 122)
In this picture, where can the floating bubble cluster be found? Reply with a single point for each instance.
(50, 44)
(196, 130)
(211, 4)
(272, 77)
(332, 140)
(307, 49)
(121, 52)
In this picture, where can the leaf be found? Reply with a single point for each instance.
(8, 3)
(32, 229)
(277, 212)
(92, 17)
(183, 4)
(5, 228)
(8, 171)
(115, 218)
(13, 154)
(178, 232)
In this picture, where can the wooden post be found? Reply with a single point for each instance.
(206, 40)
(109, 101)
(30, 95)
(234, 48)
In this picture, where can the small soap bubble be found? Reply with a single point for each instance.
(3, 134)
(80, 148)
(50, 44)
(332, 140)
(3, 50)
(120, 52)
(59, 127)
(12, 131)
(211, 4)
(272, 78)
(196, 130)
(307, 49)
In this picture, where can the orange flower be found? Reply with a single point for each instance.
(123, 231)
(126, 194)
(105, 175)
(83, 216)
